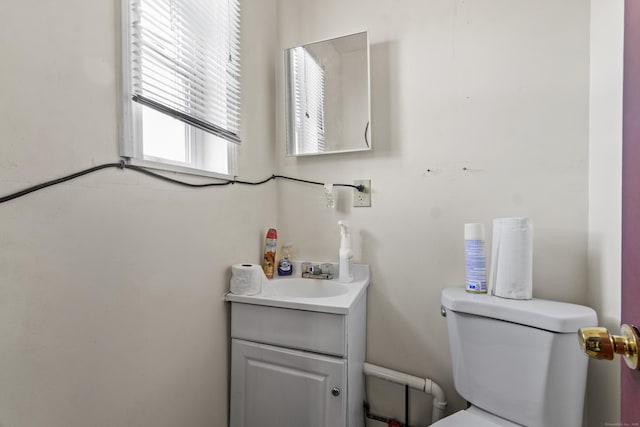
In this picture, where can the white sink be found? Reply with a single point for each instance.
(298, 287)
(328, 296)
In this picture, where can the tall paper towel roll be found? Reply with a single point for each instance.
(246, 279)
(512, 258)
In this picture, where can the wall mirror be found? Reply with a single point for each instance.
(327, 104)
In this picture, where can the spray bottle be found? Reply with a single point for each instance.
(346, 254)
(475, 258)
(269, 258)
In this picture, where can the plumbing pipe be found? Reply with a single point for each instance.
(439, 399)
(424, 385)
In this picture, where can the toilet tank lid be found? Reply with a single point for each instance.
(552, 316)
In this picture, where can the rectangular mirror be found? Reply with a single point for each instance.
(327, 104)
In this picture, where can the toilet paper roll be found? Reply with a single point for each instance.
(246, 279)
(511, 273)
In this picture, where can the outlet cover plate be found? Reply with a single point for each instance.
(362, 199)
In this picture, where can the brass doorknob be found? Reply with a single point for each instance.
(598, 343)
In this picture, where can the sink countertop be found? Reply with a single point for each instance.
(274, 292)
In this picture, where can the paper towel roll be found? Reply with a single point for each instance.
(246, 279)
(512, 258)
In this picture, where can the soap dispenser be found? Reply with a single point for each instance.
(285, 267)
(346, 254)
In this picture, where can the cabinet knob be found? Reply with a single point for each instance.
(335, 391)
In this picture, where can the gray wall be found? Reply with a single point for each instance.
(111, 286)
(605, 185)
(498, 87)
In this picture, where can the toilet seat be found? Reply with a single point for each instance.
(474, 417)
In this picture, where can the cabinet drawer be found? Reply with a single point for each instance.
(304, 330)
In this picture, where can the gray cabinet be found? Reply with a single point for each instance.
(296, 368)
(274, 386)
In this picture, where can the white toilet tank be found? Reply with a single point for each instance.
(518, 359)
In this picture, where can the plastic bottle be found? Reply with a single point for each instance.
(345, 253)
(269, 258)
(285, 268)
(475, 260)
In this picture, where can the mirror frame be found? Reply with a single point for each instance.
(289, 109)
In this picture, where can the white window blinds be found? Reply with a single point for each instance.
(185, 61)
(308, 76)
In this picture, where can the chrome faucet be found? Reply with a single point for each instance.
(316, 271)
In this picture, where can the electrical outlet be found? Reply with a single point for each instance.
(362, 199)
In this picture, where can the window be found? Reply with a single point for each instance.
(308, 81)
(181, 84)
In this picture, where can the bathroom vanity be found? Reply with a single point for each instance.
(297, 351)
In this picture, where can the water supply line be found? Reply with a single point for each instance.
(424, 385)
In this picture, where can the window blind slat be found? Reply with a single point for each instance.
(179, 70)
(185, 62)
(205, 126)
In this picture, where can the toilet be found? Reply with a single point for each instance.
(517, 362)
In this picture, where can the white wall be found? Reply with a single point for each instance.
(498, 87)
(605, 187)
(111, 286)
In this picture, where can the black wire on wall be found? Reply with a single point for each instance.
(123, 165)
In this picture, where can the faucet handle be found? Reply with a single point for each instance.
(306, 267)
(325, 268)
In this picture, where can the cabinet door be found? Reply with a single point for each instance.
(279, 387)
